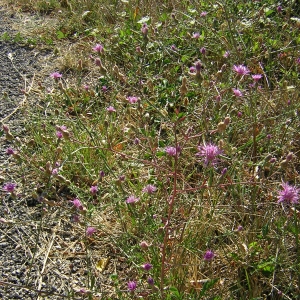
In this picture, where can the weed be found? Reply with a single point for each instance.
(180, 124)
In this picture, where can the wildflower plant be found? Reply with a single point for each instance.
(169, 156)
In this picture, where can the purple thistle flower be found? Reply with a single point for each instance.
(173, 47)
(150, 189)
(59, 134)
(121, 178)
(5, 128)
(226, 54)
(150, 281)
(131, 285)
(132, 99)
(240, 228)
(288, 194)
(10, 151)
(98, 48)
(256, 77)
(144, 29)
(193, 69)
(203, 50)
(224, 171)
(90, 231)
(241, 70)
(198, 66)
(196, 35)
(98, 62)
(101, 174)
(172, 151)
(111, 109)
(56, 75)
(209, 153)
(104, 88)
(54, 172)
(147, 266)
(94, 189)
(132, 199)
(9, 187)
(298, 60)
(209, 255)
(77, 203)
(237, 93)
(203, 14)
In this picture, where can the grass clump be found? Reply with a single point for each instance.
(181, 125)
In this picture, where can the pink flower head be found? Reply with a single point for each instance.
(198, 66)
(241, 70)
(203, 14)
(131, 285)
(98, 48)
(144, 29)
(203, 50)
(104, 88)
(150, 189)
(90, 231)
(237, 93)
(289, 194)
(147, 266)
(256, 77)
(94, 189)
(173, 47)
(59, 134)
(9, 187)
(150, 281)
(209, 153)
(111, 109)
(196, 35)
(226, 54)
(172, 151)
(77, 203)
(10, 151)
(98, 62)
(54, 172)
(132, 199)
(5, 128)
(193, 69)
(56, 75)
(133, 99)
(209, 255)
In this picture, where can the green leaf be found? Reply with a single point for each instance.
(5, 36)
(18, 38)
(60, 34)
(268, 11)
(267, 267)
(207, 285)
(174, 293)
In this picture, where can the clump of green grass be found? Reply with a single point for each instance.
(182, 127)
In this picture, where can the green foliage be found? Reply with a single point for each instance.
(229, 207)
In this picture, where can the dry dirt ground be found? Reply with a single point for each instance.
(42, 255)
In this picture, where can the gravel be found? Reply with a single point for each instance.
(42, 253)
(23, 272)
